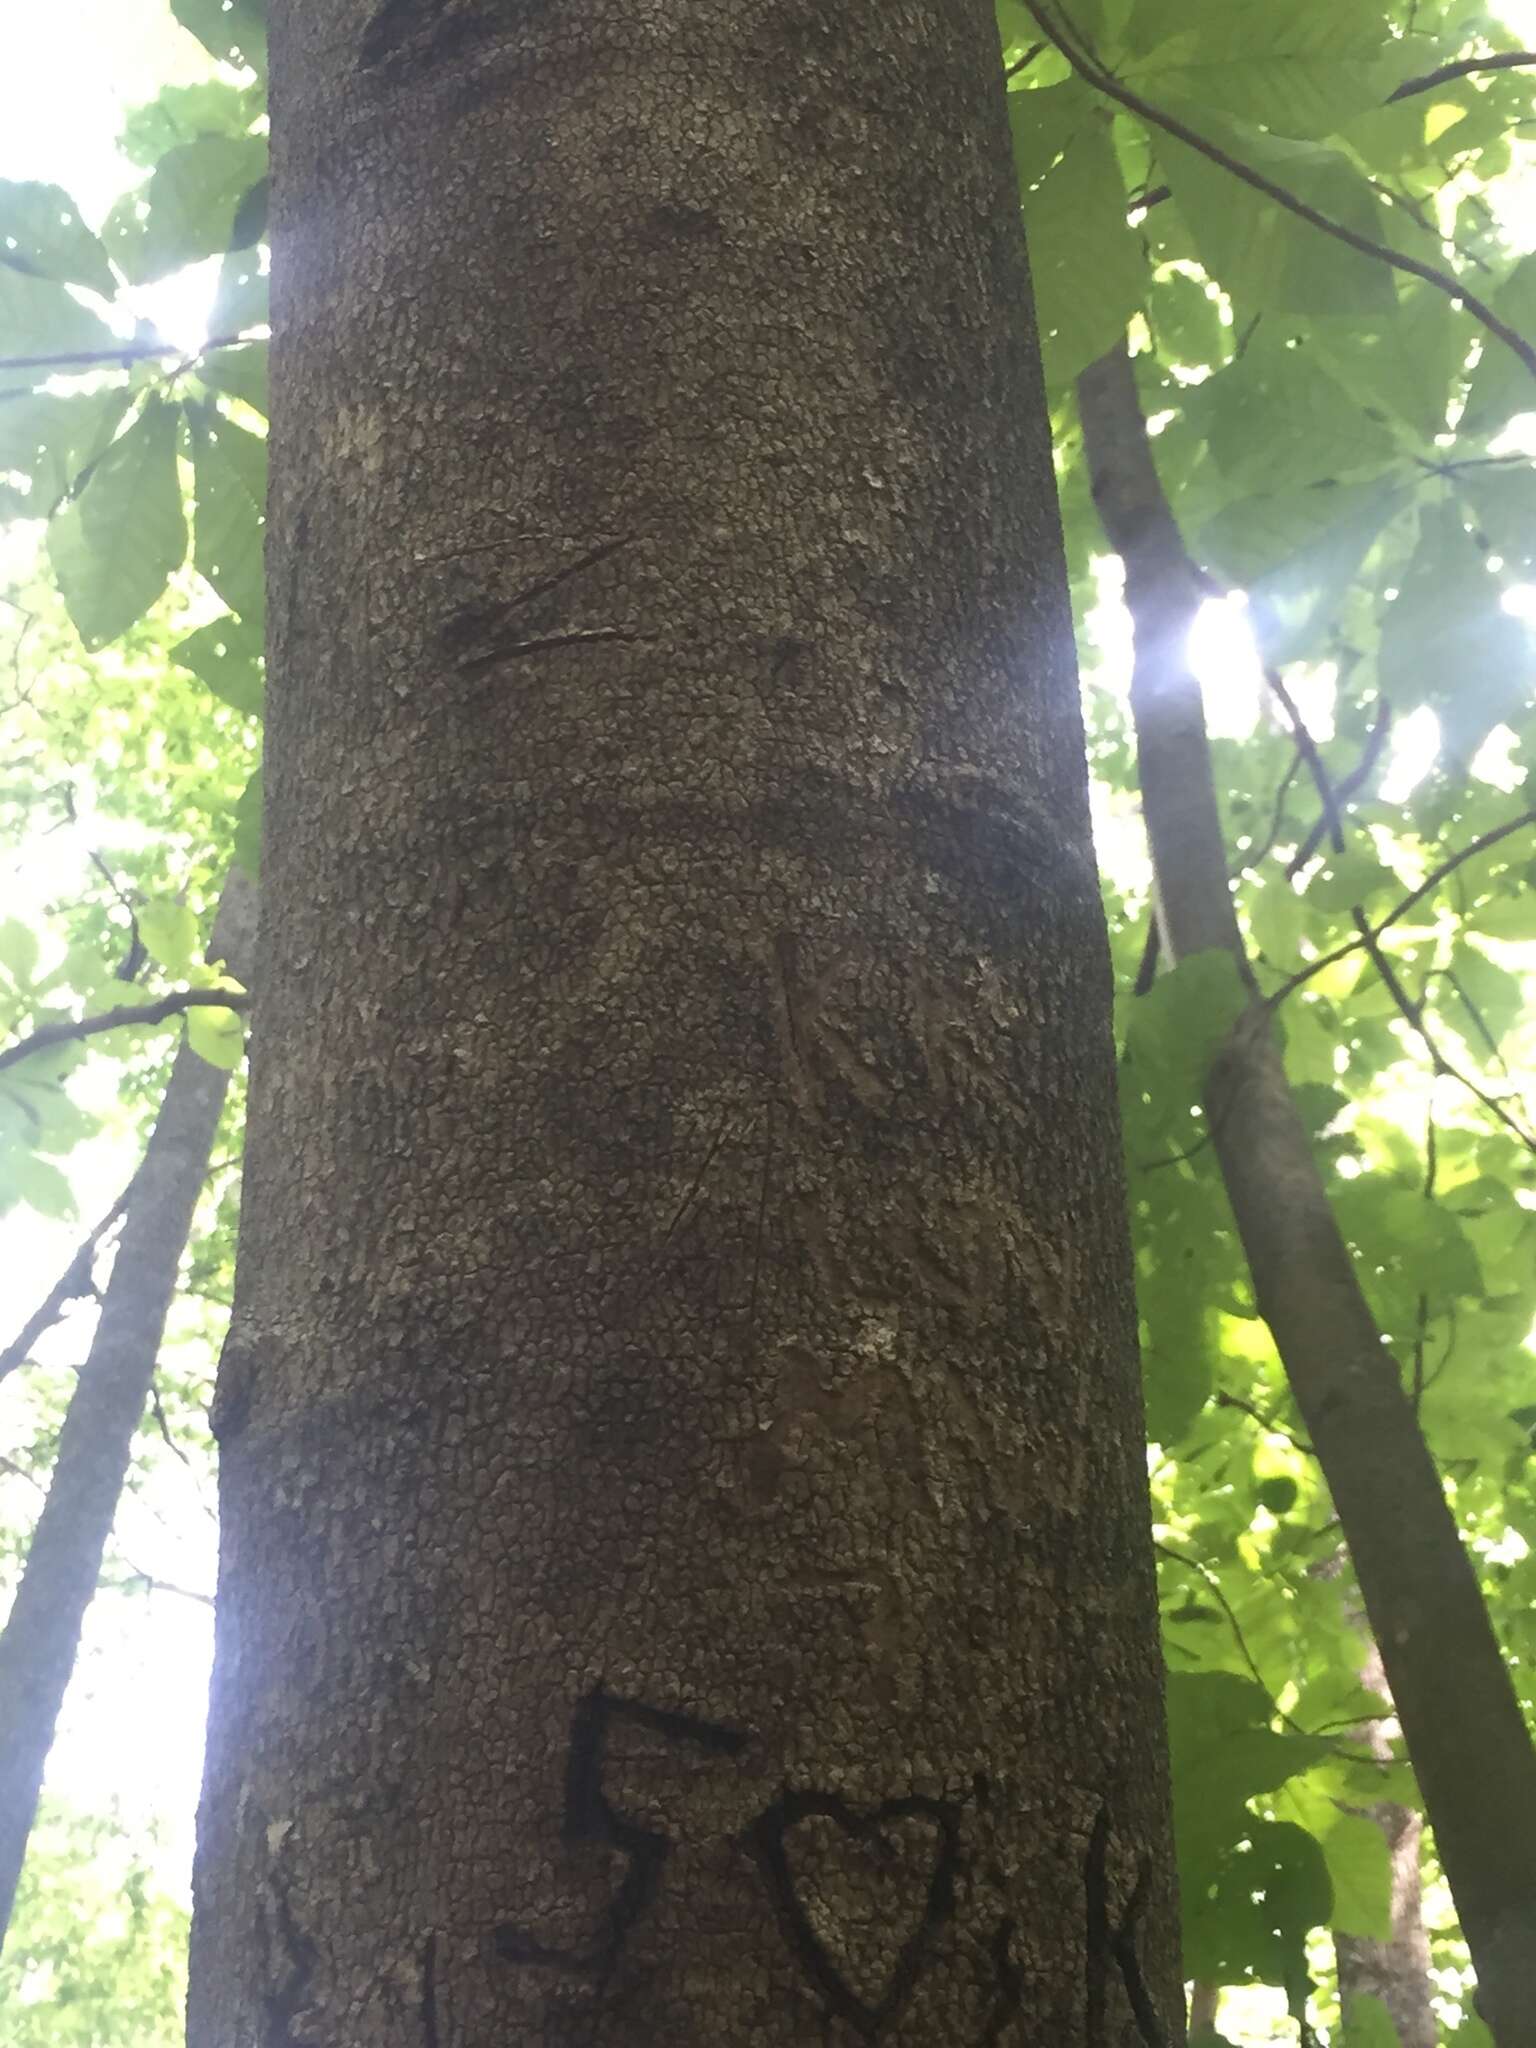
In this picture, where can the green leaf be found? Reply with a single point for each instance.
(115, 546)
(1295, 598)
(1360, 1871)
(1312, 428)
(1087, 266)
(194, 197)
(241, 301)
(1301, 69)
(180, 113)
(1447, 642)
(39, 318)
(231, 471)
(41, 232)
(1370, 2025)
(169, 933)
(234, 31)
(51, 437)
(240, 371)
(1251, 1922)
(18, 952)
(37, 1182)
(1263, 256)
(1502, 503)
(248, 827)
(1174, 1030)
(218, 1036)
(1044, 120)
(226, 655)
(1406, 363)
(1501, 384)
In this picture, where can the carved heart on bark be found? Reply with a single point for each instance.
(861, 1895)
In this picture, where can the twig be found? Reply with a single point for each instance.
(1094, 74)
(129, 352)
(1226, 1400)
(49, 1035)
(77, 1279)
(157, 1409)
(1193, 1564)
(1412, 1014)
(1482, 844)
(1023, 63)
(1350, 786)
(1504, 60)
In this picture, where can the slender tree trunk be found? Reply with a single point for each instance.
(686, 1574)
(1204, 2010)
(41, 1637)
(1459, 1714)
(1396, 1970)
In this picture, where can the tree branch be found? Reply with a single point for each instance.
(1411, 901)
(1504, 60)
(129, 352)
(1093, 73)
(76, 1280)
(73, 1030)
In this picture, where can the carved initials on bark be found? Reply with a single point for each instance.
(873, 1853)
(1108, 1943)
(590, 1817)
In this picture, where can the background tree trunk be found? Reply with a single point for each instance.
(1395, 1970)
(1465, 1730)
(686, 1573)
(41, 1637)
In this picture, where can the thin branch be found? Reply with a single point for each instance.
(1023, 63)
(1350, 786)
(157, 1409)
(1089, 69)
(1226, 1400)
(1504, 60)
(1482, 844)
(1412, 1014)
(1193, 1564)
(48, 1035)
(77, 1280)
(1306, 752)
(129, 352)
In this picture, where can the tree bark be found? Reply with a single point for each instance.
(1459, 1714)
(1204, 2010)
(1396, 1970)
(686, 1574)
(41, 1637)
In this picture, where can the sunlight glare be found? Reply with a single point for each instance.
(1226, 663)
(1414, 744)
(178, 306)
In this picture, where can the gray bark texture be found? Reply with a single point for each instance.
(41, 1636)
(686, 1573)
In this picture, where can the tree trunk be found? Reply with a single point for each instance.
(1396, 1970)
(686, 1574)
(1204, 2011)
(41, 1636)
